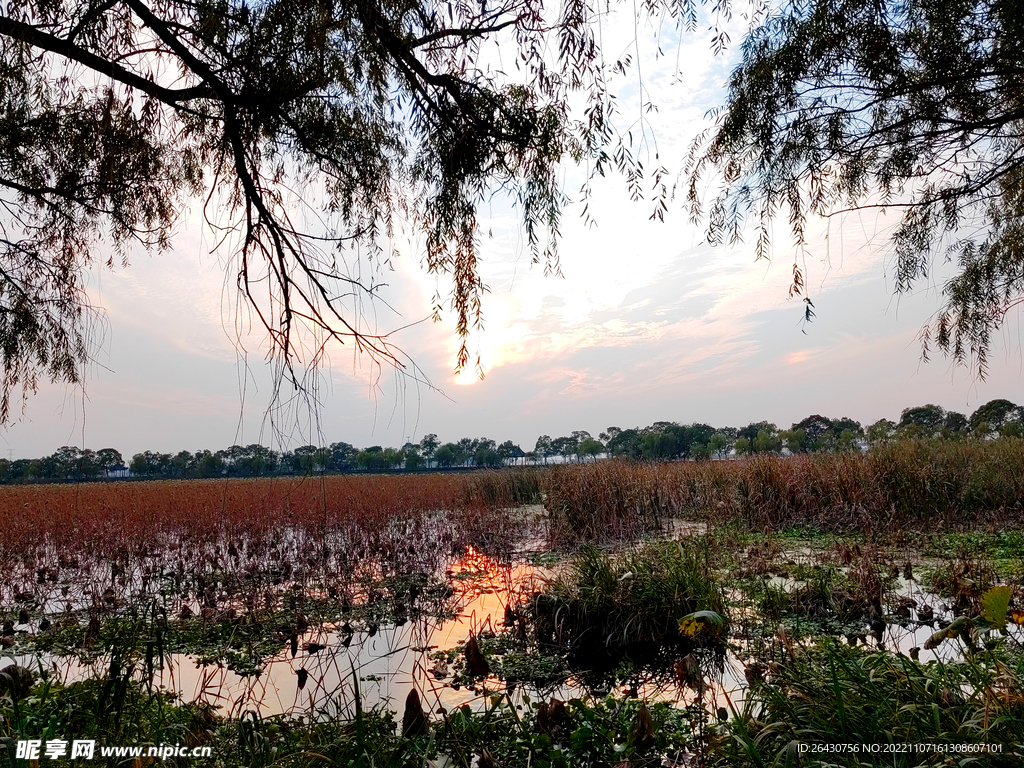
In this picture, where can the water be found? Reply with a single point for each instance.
(385, 663)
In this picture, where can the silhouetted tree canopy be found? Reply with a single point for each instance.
(994, 414)
(918, 106)
(309, 131)
(929, 418)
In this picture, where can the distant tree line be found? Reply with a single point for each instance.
(661, 441)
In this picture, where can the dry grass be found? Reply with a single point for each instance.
(907, 484)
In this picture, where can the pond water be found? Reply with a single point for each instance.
(387, 661)
(382, 664)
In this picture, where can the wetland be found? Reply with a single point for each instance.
(606, 614)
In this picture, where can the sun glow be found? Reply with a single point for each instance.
(467, 377)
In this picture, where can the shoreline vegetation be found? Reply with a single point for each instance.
(807, 576)
(926, 482)
(658, 442)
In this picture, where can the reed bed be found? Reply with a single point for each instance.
(607, 501)
(897, 485)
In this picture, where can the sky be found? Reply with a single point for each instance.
(648, 323)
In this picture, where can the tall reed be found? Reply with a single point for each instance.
(900, 484)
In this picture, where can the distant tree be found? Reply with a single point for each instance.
(742, 446)
(448, 455)
(698, 433)
(239, 460)
(62, 464)
(308, 459)
(487, 456)
(751, 430)
(664, 440)
(208, 464)
(462, 448)
(833, 439)
(428, 445)
(228, 464)
(816, 429)
(929, 419)
(151, 463)
(623, 442)
(88, 465)
(182, 464)
(460, 451)
(544, 448)
(794, 440)
(23, 469)
(590, 447)
(1012, 429)
(994, 414)
(699, 451)
(761, 437)
(138, 465)
(955, 425)
(579, 435)
(846, 424)
(371, 458)
(767, 441)
(847, 441)
(391, 458)
(565, 446)
(413, 458)
(983, 430)
(108, 458)
(256, 459)
(717, 445)
(321, 459)
(881, 430)
(913, 431)
(342, 456)
(658, 444)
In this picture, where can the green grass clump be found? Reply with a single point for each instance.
(832, 694)
(636, 598)
(573, 734)
(120, 711)
(114, 710)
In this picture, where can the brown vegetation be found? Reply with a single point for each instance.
(100, 545)
(896, 485)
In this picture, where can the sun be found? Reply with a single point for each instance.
(467, 377)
